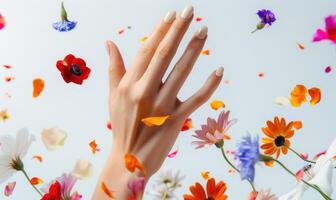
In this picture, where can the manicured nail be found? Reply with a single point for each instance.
(107, 47)
(202, 33)
(187, 12)
(219, 71)
(170, 16)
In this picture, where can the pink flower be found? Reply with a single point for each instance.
(265, 195)
(214, 131)
(137, 187)
(330, 30)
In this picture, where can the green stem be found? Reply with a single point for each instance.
(26, 175)
(296, 153)
(305, 182)
(234, 167)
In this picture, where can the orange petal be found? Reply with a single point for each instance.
(94, 146)
(36, 181)
(132, 163)
(187, 124)
(38, 86)
(216, 104)
(297, 125)
(298, 95)
(205, 175)
(269, 163)
(106, 190)
(38, 158)
(155, 121)
(300, 46)
(205, 52)
(315, 95)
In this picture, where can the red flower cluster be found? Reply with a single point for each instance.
(73, 69)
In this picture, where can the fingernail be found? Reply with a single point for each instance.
(219, 71)
(202, 33)
(170, 16)
(187, 12)
(107, 47)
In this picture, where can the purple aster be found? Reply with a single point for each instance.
(64, 25)
(248, 155)
(266, 16)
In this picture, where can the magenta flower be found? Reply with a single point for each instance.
(330, 30)
(137, 187)
(214, 132)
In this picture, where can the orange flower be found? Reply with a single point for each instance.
(298, 95)
(213, 191)
(278, 133)
(315, 94)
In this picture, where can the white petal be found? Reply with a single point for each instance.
(53, 138)
(296, 193)
(331, 152)
(23, 142)
(82, 169)
(7, 145)
(5, 169)
(282, 101)
(323, 178)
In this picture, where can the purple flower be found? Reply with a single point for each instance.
(266, 16)
(136, 186)
(248, 155)
(64, 25)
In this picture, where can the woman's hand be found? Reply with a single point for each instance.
(139, 93)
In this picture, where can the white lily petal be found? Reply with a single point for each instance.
(7, 145)
(323, 179)
(83, 169)
(23, 142)
(331, 152)
(53, 138)
(296, 193)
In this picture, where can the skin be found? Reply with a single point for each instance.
(140, 92)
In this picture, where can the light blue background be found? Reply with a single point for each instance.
(32, 47)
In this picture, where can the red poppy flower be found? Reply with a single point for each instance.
(54, 192)
(73, 69)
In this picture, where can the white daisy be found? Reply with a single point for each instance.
(12, 150)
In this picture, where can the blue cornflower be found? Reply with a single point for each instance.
(266, 17)
(64, 25)
(248, 155)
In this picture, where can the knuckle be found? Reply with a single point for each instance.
(164, 51)
(146, 49)
(123, 88)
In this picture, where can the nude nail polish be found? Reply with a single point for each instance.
(170, 16)
(187, 12)
(219, 71)
(202, 33)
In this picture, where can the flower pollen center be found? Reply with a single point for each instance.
(76, 70)
(279, 141)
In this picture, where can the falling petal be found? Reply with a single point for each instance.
(106, 190)
(36, 181)
(83, 169)
(143, 39)
(205, 175)
(315, 94)
(216, 104)
(109, 126)
(132, 163)
(173, 154)
(155, 121)
(198, 19)
(53, 138)
(9, 78)
(94, 146)
(4, 116)
(38, 86)
(121, 31)
(2, 22)
(282, 101)
(304, 156)
(187, 124)
(298, 95)
(319, 154)
(9, 188)
(269, 163)
(261, 74)
(299, 175)
(205, 52)
(297, 125)
(7, 66)
(38, 158)
(300, 46)
(328, 69)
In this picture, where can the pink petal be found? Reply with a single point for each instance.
(9, 188)
(173, 154)
(320, 35)
(330, 22)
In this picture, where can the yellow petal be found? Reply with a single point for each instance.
(143, 39)
(155, 121)
(205, 175)
(216, 104)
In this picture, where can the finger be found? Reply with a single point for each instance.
(148, 49)
(116, 65)
(167, 48)
(202, 95)
(183, 67)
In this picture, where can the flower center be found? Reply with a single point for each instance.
(17, 164)
(279, 141)
(76, 70)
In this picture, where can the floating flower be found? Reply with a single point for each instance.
(216, 104)
(82, 170)
(137, 187)
(53, 138)
(315, 95)
(61, 188)
(132, 163)
(9, 188)
(106, 190)
(298, 95)
(73, 69)
(213, 191)
(266, 17)
(187, 124)
(12, 150)
(4, 116)
(278, 134)
(64, 25)
(155, 121)
(38, 86)
(94, 146)
(2, 22)
(319, 175)
(265, 195)
(214, 132)
(330, 30)
(248, 155)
